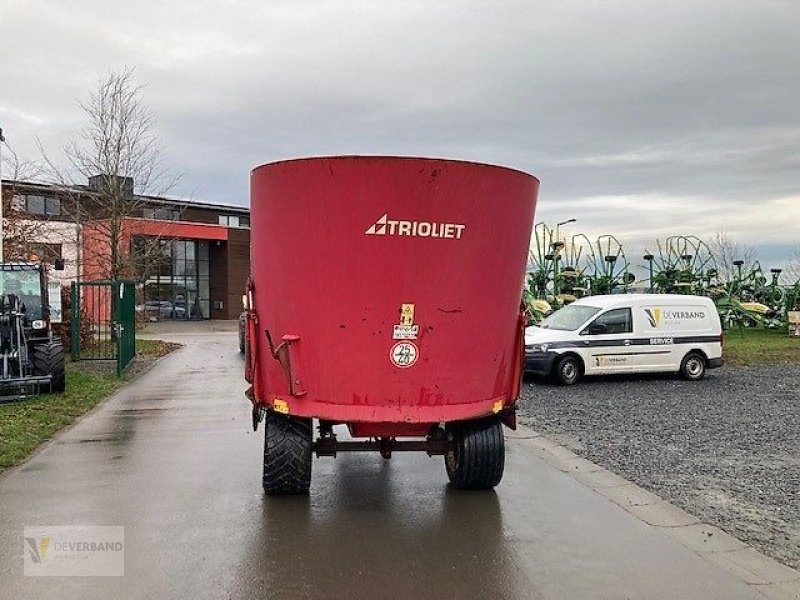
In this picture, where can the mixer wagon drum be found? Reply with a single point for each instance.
(385, 296)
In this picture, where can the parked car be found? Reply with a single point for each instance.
(633, 333)
(162, 309)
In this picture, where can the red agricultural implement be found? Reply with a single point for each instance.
(385, 295)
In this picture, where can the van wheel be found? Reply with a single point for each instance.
(568, 370)
(693, 367)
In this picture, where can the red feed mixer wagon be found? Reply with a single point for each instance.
(385, 296)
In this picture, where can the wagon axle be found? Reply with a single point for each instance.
(434, 444)
(332, 446)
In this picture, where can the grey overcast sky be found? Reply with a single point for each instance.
(640, 118)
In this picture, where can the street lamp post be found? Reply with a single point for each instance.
(558, 246)
(567, 222)
(650, 258)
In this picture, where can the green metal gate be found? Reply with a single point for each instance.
(103, 321)
(125, 323)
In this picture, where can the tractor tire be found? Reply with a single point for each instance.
(568, 370)
(477, 455)
(287, 454)
(693, 366)
(48, 359)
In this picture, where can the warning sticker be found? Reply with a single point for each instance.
(404, 354)
(407, 314)
(405, 332)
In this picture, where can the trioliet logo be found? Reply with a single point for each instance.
(387, 226)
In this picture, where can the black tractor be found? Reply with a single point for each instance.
(31, 360)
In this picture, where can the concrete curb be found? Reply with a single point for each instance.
(760, 572)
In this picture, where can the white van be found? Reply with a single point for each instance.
(626, 333)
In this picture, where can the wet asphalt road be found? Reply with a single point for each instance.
(172, 459)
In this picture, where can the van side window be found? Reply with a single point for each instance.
(618, 320)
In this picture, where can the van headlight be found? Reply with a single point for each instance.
(38, 324)
(537, 347)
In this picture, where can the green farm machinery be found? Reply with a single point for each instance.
(683, 264)
(562, 270)
(608, 270)
(752, 300)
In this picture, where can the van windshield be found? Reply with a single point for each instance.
(570, 317)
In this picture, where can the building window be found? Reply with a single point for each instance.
(42, 205)
(161, 214)
(45, 252)
(234, 221)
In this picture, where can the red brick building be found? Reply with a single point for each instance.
(203, 249)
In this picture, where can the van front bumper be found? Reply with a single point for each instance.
(539, 363)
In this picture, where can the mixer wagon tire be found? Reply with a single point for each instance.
(287, 454)
(48, 359)
(693, 367)
(568, 370)
(477, 455)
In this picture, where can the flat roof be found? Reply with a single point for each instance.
(154, 199)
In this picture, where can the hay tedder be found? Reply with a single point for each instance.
(31, 361)
(683, 264)
(750, 299)
(385, 296)
(561, 271)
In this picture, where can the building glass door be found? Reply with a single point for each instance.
(177, 287)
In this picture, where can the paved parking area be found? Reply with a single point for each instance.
(726, 449)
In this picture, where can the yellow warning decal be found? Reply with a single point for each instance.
(407, 314)
(497, 406)
(280, 406)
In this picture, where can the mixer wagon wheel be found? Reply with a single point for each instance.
(476, 457)
(287, 454)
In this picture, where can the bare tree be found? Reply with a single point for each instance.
(20, 232)
(792, 271)
(726, 251)
(119, 152)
